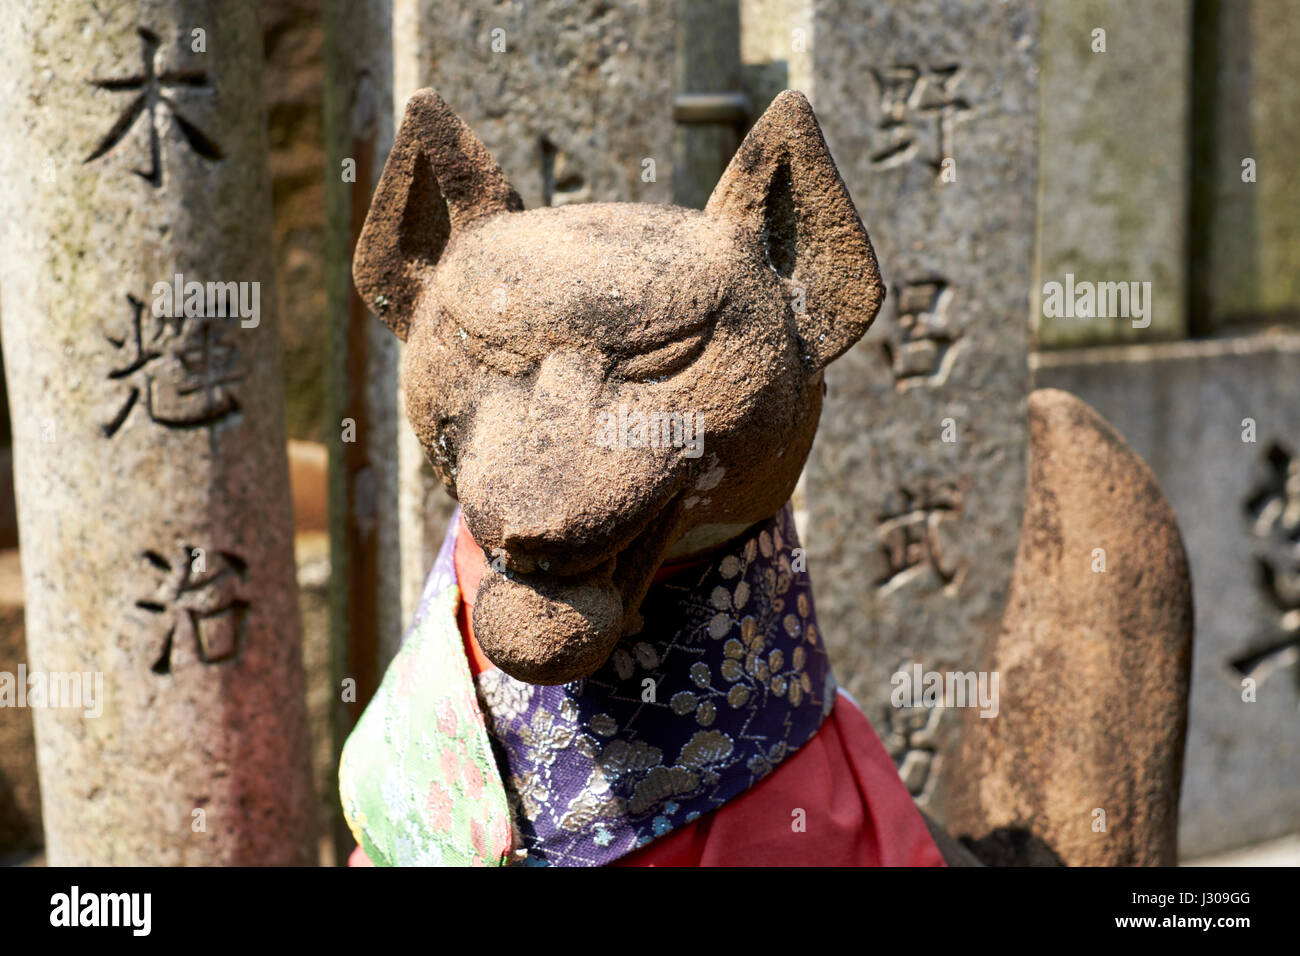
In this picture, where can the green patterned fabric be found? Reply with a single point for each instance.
(418, 781)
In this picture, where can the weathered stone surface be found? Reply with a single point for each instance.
(20, 802)
(1115, 161)
(581, 96)
(1181, 407)
(911, 538)
(1246, 261)
(141, 439)
(1083, 759)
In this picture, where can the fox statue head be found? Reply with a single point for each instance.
(607, 386)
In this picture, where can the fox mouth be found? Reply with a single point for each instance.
(544, 628)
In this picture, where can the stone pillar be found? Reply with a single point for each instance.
(1116, 92)
(572, 98)
(151, 475)
(915, 485)
(1245, 202)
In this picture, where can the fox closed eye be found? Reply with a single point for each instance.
(666, 359)
(658, 362)
(496, 357)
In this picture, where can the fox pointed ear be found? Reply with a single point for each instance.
(438, 178)
(782, 188)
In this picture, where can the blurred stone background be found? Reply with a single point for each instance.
(1141, 151)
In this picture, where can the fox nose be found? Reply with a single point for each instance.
(530, 549)
(541, 493)
(565, 380)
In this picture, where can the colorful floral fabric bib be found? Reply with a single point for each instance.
(417, 778)
(726, 678)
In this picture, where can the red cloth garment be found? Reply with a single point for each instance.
(856, 811)
(358, 858)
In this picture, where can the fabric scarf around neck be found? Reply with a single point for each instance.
(726, 677)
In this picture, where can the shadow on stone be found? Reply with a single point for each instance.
(1011, 846)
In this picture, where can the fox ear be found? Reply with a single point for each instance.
(439, 178)
(782, 189)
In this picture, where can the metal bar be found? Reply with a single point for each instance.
(724, 109)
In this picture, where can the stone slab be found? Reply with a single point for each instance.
(1246, 262)
(911, 538)
(1115, 161)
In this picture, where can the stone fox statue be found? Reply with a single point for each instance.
(616, 659)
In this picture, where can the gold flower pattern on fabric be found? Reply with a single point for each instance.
(739, 675)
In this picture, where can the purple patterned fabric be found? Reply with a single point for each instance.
(727, 677)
